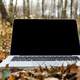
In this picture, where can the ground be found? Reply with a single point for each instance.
(5, 39)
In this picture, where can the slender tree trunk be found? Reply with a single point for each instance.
(0, 10)
(15, 10)
(38, 9)
(71, 8)
(59, 5)
(53, 8)
(3, 12)
(24, 6)
(61, 8)
(28, 9)
(64, 9)
(79, 7)
(11, 13)
(49, 15)
(42, 8)
(75, 8)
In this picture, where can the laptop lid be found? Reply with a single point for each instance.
(50, 37)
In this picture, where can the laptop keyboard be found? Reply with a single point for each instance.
(45, 58)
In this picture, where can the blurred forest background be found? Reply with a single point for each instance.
(33, 9)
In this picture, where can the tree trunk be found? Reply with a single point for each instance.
(15, 10)
(75, 8)
(11, 14)
(59, 5)
(64, 9)
(53, 8)
(60, 2)
(4, 14)
(24, 6)
(71, 8)
(38, 9)
(28, 9)
(42, 8)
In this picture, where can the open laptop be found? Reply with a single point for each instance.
(43, 42)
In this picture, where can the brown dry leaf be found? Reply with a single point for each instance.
(2, 55)
(11, 77)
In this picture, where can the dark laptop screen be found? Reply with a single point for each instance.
(33, 37)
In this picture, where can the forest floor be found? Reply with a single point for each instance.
(44, 73)
(5, 39)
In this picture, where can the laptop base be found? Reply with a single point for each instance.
(11, 63)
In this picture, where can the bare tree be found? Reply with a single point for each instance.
(71, 7)
(28, 9)
(42, 8)
(24, 7)
(11, 14)
(79, 7)
(3, 12)
(15, 10)
(75, 8)
(65, 8)
(38, 9)
(64, 15)
(53, 8)
(59, 8)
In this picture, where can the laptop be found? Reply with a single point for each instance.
(43, 42)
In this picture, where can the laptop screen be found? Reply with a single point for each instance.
(34, 37)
